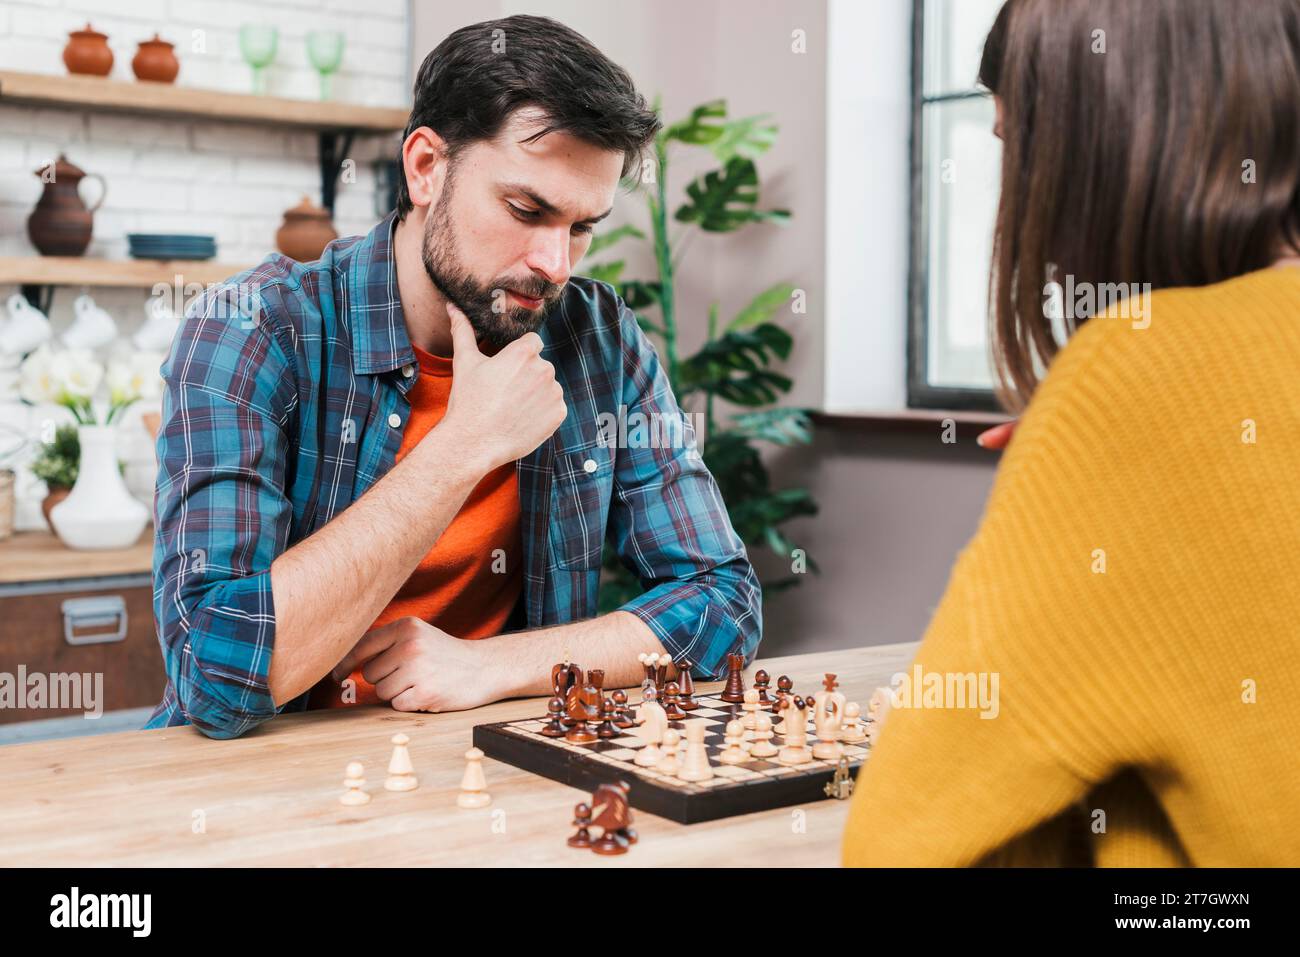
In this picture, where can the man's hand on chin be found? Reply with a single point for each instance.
(418, 667)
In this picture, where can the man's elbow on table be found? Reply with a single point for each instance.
(217, 701)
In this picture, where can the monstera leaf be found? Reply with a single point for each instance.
(725, 199)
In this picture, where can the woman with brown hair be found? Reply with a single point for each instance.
(1132, 595)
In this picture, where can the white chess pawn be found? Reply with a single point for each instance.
(796, 736)
(877, 711)
(751, 706)
(695, 767)
(735, 753)
(852, 732)
(354, 796)
(473, 786)
(401, 773)
(649, 756)
(763, 746)
(670, 764)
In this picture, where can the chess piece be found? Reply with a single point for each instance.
(796, 735)
(761, 681)
(686, 686)
(851, 732)
(695, 765)
(401, 773)
(650, 662)
(751, 706)
(670, 764)
(354, 796)
(877, 710)
(735, 752)
(611, 812)
(565, 676)
(828, 718)
(607, 728)
(581, 707)
(840, 786)
(623, 715)
(555, 712)
(763, 734)
(784, 688)
(582, 821)
(672, 706)
(734, 693)
(653, 722)
(473, 786)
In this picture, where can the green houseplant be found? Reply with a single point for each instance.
(56, 465)
(735, 364)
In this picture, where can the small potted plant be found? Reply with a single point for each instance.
(99, 512)
(56, 466)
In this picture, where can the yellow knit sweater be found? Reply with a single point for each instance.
(1135, 586)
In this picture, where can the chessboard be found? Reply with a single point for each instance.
(754, 785)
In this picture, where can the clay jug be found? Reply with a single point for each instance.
(87, 52)
(306, 232)
(156, 61)
(61, 224)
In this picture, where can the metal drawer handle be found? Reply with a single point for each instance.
(94, 612)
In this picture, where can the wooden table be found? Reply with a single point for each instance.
(172, 797)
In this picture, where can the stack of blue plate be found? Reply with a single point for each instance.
(171, 246)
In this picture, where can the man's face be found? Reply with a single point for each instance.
(512, 221)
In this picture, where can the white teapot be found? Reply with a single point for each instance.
(92, 328)
(159, 327)
(24, 330)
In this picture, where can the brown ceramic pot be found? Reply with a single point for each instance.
(87, 52)
(57, 494)
(61, 224)
(156, 61)
(306, 232)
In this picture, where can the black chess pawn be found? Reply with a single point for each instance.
(555, 713)
(622, 713)
(784, 687)
(582, 821)
(607, 728)
(686, 685)
(761, 681)
(671, 703)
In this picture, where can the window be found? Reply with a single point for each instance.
(955, 166)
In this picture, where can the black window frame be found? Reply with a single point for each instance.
(921, 394)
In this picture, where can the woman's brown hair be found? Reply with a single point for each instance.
(1153, 142)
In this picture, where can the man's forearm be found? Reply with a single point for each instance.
(610, 642)
(329, 588)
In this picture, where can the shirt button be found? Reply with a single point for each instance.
(589, 466)
(408, 370)
(394, 420)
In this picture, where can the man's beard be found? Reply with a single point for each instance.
(496, 320)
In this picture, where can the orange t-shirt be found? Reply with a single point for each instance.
(471, 579)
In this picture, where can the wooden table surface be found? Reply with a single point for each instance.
(173, 797)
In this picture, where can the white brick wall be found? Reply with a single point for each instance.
(231, 180)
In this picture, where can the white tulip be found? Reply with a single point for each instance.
(76, 374)
(37, 380)
(136, 377)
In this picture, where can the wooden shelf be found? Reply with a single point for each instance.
(166, 99)
(120, 273)
(34, 556)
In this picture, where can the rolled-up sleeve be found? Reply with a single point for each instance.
(221, 514)
(669, 525)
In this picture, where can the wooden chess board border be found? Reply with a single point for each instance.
(549, 758)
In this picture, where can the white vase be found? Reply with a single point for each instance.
(99, 512)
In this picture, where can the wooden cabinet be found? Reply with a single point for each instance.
(80, 624)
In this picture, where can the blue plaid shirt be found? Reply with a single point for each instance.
(286, 399)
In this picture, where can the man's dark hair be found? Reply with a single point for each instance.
(478, 76)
